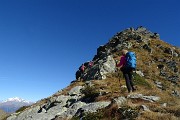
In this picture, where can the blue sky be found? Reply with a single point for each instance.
(43, 42)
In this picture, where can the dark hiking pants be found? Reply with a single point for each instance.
(127, 72)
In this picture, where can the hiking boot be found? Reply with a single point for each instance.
(133, 90)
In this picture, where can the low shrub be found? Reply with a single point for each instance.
(90, 93)
(128, 112)
(138, 80)
(21, 109)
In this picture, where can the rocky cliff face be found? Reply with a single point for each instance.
(101, 96)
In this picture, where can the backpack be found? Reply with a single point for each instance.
(131, 60)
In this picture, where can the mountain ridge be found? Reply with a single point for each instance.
(100, 93)
(18, 99)
(12, 104)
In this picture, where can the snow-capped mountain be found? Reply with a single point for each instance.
(12, 104)
(15, 99)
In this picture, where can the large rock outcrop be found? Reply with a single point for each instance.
(104, 62)
(63, 106)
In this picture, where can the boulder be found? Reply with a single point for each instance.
(72, 110)
(146, 98)
(100, 69)
(93, 107)
(109, 66)
(75, 91)
(26, 115)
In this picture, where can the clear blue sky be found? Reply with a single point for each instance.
(43, 42)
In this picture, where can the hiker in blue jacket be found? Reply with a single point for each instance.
(127, 69)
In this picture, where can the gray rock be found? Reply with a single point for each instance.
(144, 107)
(141, 29)
(127, 45)
(172, 65)
(12, 117)
(72, 110)
(100, 69)
(139, 73)
(163, 73)
(164, 105)
(161, 60)
(118, 47)
(173, 79)
(93, 107)
(135, 96)
(120, 101)
(175, 54)
(158, 84)
(151, 98)
(147, 98)
(109, 66)
(26, 115)
(155, 35)
(72, 100)
(75, 91)
(89, 83)
(62, 99)
(176, 93)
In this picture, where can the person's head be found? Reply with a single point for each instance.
(124, 51)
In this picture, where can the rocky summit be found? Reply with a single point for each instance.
(100, 91)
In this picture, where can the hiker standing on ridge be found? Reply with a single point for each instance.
(90, 64)
(127, 65)
(82, 69)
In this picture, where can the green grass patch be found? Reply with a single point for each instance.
(21, 109)
(138, 80)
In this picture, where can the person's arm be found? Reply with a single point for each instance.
(122, 62)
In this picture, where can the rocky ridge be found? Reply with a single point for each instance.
(100, 96)
(12, 104)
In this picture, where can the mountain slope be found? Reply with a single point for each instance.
(101, 92)
(12, 104)
(2, 114)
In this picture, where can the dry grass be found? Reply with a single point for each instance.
(112, 112)
(68, 88)
(156, 116)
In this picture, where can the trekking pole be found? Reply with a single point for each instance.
(119, 79)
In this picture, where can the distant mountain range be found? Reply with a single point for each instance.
(12, 104)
